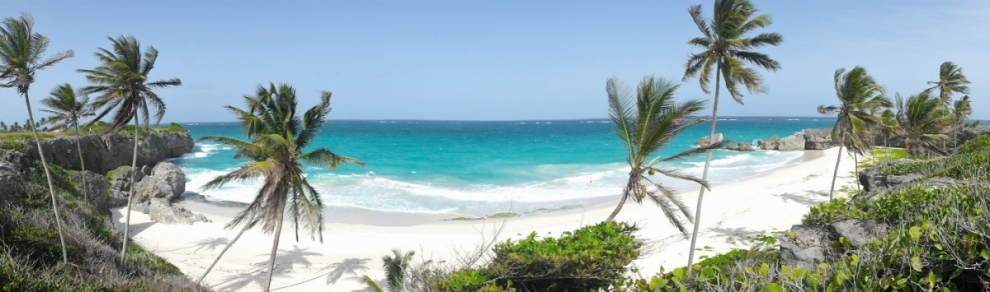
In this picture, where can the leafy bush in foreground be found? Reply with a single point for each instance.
(590, 258)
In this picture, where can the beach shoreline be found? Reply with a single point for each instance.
(354, 243)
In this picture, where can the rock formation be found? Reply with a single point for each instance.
(708, 140)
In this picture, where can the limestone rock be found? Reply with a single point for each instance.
(173, 176)
(163, 212)
(11, 184)
(120, 184)
(806, 249)
(708, 140)
(93, 187)
(741, 146)
(818, 139)
(791, 143)
(153, 187)
(103, 153)
(858, 233)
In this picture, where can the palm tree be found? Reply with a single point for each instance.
(395, 266)
(646, 125)
(66, 109)
(727, 47)
(950, 80)
(122, 82)
(890, 126)
(961, 109)
(21, 51)
(924, 119)
(857, 93)
(276, 152)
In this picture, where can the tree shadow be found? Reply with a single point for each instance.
(337, 270)
(211, 243)
(820, 193)
(348, 266)
(290, 258)
(139, 227)
(284, 261)
(733, 235)
(257, 276)
(803, 200)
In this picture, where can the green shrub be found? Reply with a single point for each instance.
(980, 144)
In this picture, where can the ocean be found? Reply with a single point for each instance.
(484, 167)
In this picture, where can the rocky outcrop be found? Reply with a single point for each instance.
(173, 176)
(741, 146)
(103, 153)
(708, 140)
(818, 139)
(11, 184)
(93, 187)
(120, 184)
(969, 134)
(789, 143)
(804, 247)
(162, 211)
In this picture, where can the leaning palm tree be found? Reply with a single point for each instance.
(276, 150)
(395, 266)
(21, 51)
(857, 93)
(122, 83)
(924, 119)
(890, 126)
(66, 109)
(726, 46)
(961, 109)
(646, 125)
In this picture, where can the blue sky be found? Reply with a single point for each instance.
(506, 60)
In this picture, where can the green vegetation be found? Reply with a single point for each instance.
(590, 258)
(30, 251)
(882, 155)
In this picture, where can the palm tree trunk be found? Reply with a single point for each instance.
(130, 198)
(271, 261)
(622, 202)
(704, 173)
(207, 272)
(856, 161)
(82, 163)
(48, 175)
(837, 159)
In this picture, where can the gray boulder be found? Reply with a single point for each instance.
(153, 187)
(818, 139)
(708, 140)
(11, 184)
(93, 187)
(741, 146)
(769, 144)
(162, 211)
(791, 143)
(120, 184)
(804, 247)
(858, 233)
(173, 176)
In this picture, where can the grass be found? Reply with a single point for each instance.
(881, 155)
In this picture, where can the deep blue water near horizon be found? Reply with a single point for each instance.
(478, 167)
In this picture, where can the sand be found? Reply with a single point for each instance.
(356, 240)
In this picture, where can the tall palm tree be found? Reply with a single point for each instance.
(950, 80)
(646, 125)
(66, 109)
(924, 119)
(961, 109)
(122, 83)
(857, 93)
(21, 55)
(278, 139)
(890, 127)
(725, 45)
(395, 266)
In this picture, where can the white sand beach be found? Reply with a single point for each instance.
(733, 211)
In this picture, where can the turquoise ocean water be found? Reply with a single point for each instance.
(478, 168)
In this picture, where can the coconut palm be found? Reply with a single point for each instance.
(66, 109)
(276, 152)
(857, 93)
(122, 83)
(950, 80)
(646, 125)
(890, 126)
(726, 46)
(924, 119)
(21, 55)
(395, 266)
(961, 109)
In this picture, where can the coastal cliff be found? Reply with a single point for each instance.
(103, 153)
